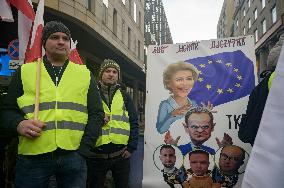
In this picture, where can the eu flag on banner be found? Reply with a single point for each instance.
(223, 77)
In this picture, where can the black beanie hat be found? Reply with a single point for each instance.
(53, 27)
(109, 63)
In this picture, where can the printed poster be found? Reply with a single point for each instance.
(196, 95)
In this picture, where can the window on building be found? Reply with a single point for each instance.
(248, 3)
(88, 2)
(147, 28)
(256, 35)
(134, 11)
(244, 12)
(105, 2)
(123, 30)
(263, 26)
(139, 19)
(129, 90)
(255, 14)
(141, 103)
(273, 14)
(244, 31)
(130, 6)
(123, 1)
(249, 23)
(104, 13)
(139, 49)
(129, 38)
(262, 4)
(114, 22)
(90, 5)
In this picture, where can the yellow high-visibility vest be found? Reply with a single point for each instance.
(271, 77)
(117, 130)
(63, 108)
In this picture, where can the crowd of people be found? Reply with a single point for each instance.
(70, 128)
(75, 130)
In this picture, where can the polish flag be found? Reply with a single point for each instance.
(74, 55)
(34, 49)
(24, 31)
(5, 12)
(24, 6)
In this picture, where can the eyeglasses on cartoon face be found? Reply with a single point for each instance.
(195, 127)
(224, 156)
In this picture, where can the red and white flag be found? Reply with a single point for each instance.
(34, 49)
(24, 6)
(74, 55)
(24, 30)
(5, 12)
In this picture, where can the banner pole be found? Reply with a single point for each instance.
(38, 75)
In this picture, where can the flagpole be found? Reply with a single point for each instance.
(38, 75)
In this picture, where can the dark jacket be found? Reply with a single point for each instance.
(4, 137)
(12, 115)
(250, 121)
(133, 120)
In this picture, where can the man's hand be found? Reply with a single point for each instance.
(170, 140)
(106, 119)
(126, 154)
(227, 140)
(30, 128)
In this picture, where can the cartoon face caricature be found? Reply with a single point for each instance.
(167, 156)
(230, 160)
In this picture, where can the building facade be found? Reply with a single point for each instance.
(225, 20)
(264, 19)
(157, 29)
(104, 29)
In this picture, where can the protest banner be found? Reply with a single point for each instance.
(183, 82)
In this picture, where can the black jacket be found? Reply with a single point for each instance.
(250, 121)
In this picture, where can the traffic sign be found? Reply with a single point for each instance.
(14, 64)
(13, 49)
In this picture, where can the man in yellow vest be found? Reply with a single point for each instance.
(119, 135)
(69, 102)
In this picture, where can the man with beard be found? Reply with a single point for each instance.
(171, 174)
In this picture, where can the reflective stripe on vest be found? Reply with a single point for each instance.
(63, 108)
(117, 130)
(270, 80)
(64, 125)
(60, 105)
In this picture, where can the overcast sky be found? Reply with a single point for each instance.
(191, 20)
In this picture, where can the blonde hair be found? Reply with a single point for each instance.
(173, 68)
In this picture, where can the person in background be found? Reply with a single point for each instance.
(69, 102)
(251, 119)
(119, 135)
